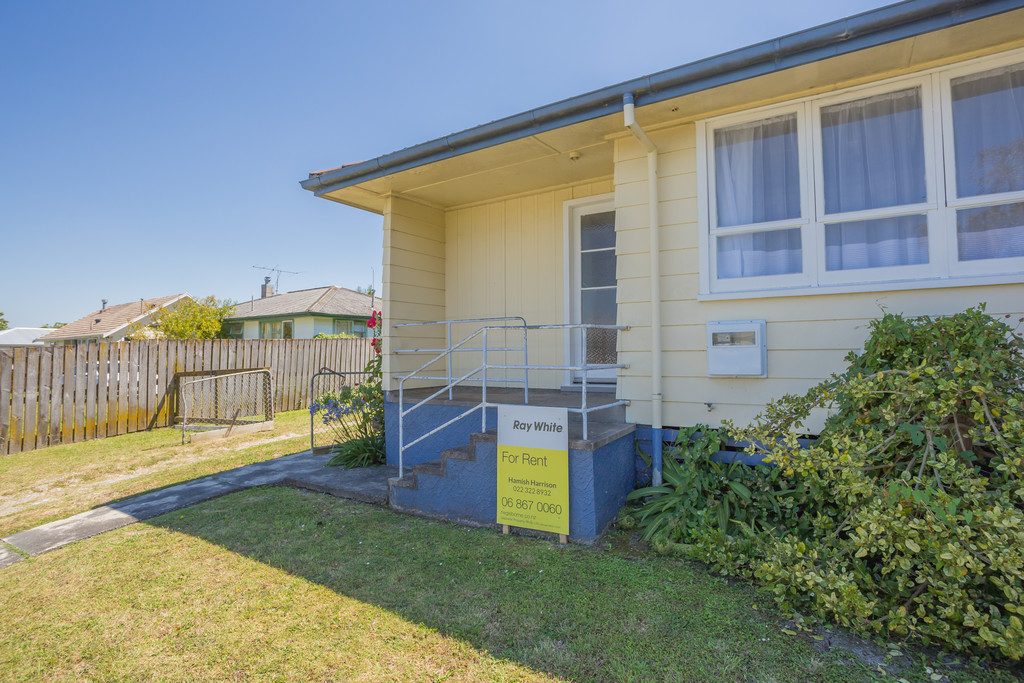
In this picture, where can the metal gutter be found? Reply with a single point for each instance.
(869, 29)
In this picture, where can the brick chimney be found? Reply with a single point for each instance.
(266, 289)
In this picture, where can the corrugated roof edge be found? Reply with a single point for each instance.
(861, 31)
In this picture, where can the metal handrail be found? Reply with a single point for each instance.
(448, 339)
(584, 410)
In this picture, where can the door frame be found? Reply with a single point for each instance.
(572, 210)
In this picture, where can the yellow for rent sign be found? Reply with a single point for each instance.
(533, 468)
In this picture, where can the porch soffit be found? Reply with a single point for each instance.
(538, 161)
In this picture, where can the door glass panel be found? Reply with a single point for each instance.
(598, 268)
(596, 294)
(598, 306)
(597, 231)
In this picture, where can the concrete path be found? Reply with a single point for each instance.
(301, 470)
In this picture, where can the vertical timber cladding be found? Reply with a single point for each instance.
(533, 468)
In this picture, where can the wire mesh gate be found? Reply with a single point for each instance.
(225, 399)
(327, 381)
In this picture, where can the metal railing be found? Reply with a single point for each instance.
(480, 373)
(225, 399)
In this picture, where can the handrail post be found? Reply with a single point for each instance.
(526, 370)
(584, 406)
(448, 350)
(401, 425)
(483, 389)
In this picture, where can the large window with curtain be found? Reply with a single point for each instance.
(918, 178)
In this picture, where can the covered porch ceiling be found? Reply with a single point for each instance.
(532, 162)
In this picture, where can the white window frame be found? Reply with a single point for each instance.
(980, 266)
(806, 209)
(943, 268)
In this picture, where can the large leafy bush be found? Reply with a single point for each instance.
(906, 517)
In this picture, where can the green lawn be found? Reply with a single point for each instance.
(280, 584)
(52, 483)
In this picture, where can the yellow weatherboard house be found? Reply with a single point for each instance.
(685, 246)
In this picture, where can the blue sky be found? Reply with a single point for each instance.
(152, 148)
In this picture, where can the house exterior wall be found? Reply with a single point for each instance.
(506, 258)
(414, 281)
(807, 335)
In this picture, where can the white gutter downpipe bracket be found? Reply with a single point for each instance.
(655, 250)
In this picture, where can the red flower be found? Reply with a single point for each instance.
(372, 322)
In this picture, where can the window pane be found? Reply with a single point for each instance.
(597, 230)
(597, 268)
(287, 330)
(598, 306)
(900, 241)
(990, 232)
(873, 152)
(988, 131)
(757, 172)
(774, 252)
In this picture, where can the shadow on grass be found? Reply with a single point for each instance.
(575, 612)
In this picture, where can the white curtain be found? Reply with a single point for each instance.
(990, 232)
(898, 241)
(757, 172)
(771, 252)
(873, 158)
(988, 131)
(757, 179)
(988, 139)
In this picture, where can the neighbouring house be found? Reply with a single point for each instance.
(302, 314)
(111, 323)
(727, 229)
(22, 336)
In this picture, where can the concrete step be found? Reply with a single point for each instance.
(461, 453)
(435, 467)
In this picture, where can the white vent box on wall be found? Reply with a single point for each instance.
(736, 348)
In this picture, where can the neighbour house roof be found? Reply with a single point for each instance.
(104, 323)
(326, 301)
(589, 119)
(22, 336)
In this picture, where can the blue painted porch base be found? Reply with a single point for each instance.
(599, 481)
(668, 436)
(424, 419)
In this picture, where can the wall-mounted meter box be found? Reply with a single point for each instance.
(736, 348)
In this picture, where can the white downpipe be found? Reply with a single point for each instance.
(655, 251)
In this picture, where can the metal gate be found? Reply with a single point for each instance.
(225, 399)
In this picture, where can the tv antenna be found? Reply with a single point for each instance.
(277, 270)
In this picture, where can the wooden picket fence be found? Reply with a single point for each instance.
(66, 394)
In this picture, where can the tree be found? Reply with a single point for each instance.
(368, 290)
(3, 322)
(190, 319)
(52, 326)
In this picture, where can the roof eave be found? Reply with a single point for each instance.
(862, 31)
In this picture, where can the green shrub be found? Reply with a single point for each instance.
(910, 520)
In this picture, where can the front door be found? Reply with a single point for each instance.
(592, 293)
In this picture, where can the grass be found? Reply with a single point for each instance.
(53, 483)
(279, 584)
